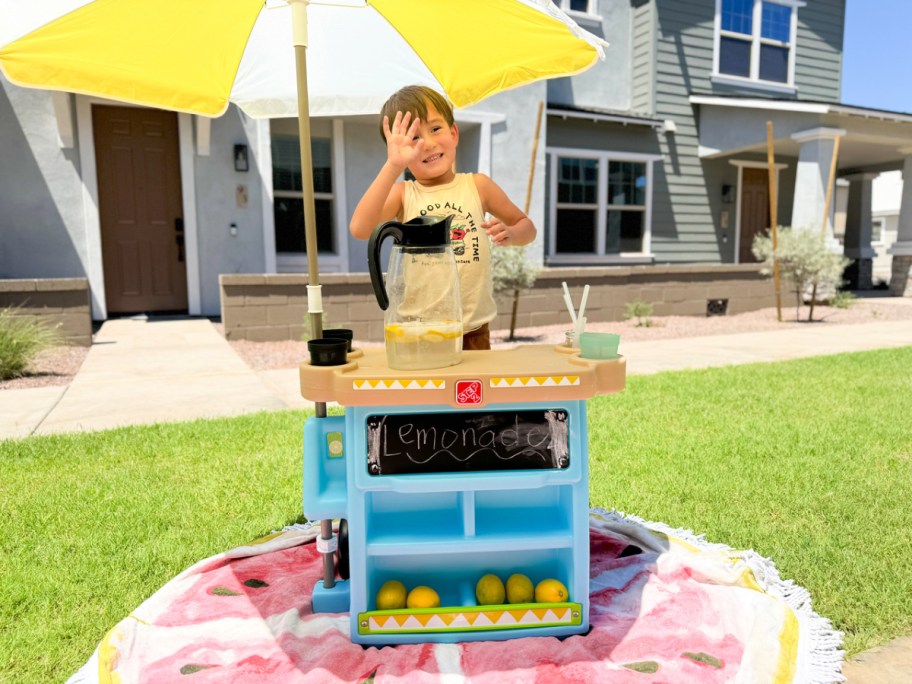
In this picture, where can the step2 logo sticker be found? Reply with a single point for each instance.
(468, 392)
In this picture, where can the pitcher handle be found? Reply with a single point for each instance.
(373, 259)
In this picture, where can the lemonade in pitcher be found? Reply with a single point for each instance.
(418, 345)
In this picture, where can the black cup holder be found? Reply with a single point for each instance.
(339, 334)
(326, 351)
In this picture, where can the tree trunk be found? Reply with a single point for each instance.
(513, 315)
(813, 299)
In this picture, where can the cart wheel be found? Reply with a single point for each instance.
(342, 550)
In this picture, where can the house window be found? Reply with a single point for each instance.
(580, 7)
(600, 205)
(877, 230)
(755, 39)
(288, 204)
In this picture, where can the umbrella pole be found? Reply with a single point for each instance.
(774, 219)
(314, 290)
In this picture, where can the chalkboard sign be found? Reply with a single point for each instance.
(465, 442)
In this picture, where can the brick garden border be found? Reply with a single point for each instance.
(62, 302)
(266, 307)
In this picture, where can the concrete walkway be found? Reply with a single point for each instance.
(142, 371)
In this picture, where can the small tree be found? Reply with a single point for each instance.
(511, 272)
(804, 260)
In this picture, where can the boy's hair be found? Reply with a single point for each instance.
(415, 99)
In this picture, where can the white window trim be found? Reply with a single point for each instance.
(591, 15)
(330, 262)
(603, 157)
(879, 217)
(745, 164)
(754, 80)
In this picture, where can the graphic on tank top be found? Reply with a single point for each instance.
(464, 233)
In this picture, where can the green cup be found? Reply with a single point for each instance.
(596, 345)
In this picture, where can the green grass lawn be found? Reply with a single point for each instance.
(807, 462)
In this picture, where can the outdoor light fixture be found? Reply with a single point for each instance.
(727, 193)
(241, 162)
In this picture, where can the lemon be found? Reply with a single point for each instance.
(490, 591)
(422, 597)
(393, 331)
(391, 596)
(520, 589)
(550, 591)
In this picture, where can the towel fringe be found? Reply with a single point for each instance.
(822, 643)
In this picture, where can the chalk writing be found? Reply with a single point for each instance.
(466, 441)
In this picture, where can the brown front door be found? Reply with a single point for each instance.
(754, 210)
(139, 196)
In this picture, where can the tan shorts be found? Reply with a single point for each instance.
(478, 339)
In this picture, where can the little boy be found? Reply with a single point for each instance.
(423, 138)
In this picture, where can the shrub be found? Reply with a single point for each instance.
(804, 260)
(639, 310)
(842, 300)
(21, 338)
(512, 272)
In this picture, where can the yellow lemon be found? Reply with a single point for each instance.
(520, 589)
(422, 597)
(550, 591)
(393, 331)
(391, 596)
(490, 591)
(433, 336)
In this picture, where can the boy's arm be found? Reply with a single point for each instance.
(383, 199)
(381, 202)
(510, 227)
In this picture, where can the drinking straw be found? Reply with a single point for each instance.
(580, 318)
(569, 302)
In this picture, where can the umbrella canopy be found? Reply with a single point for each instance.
(198, 55)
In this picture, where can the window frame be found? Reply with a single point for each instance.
(603, 157)
(337, 260)
(590, 15)
(756, 41)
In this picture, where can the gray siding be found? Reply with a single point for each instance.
(686, 210)
(683, 225)
(643, 58)
(818, 56)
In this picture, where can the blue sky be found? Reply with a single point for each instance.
(878, 54)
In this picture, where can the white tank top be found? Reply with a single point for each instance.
(471, 245)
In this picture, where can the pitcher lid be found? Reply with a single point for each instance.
(426, 231)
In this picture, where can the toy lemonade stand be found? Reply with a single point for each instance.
(448, 474)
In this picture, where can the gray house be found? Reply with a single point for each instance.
(649, 178)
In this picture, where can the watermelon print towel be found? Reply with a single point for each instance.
(666, 606)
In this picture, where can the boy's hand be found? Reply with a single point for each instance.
(497, 231)
(402, 148)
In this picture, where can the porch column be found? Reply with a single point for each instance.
(901, 276)
(814, 159)
(858, 231)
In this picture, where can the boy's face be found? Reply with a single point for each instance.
(435, 165)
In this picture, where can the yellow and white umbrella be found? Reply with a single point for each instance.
(285, 57)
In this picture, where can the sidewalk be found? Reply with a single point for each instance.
(145, 371)
(142, 371)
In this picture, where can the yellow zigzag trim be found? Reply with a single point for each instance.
(399, 384)
(421, 621)
(536, 381)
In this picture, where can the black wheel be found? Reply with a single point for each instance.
(342, 550)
